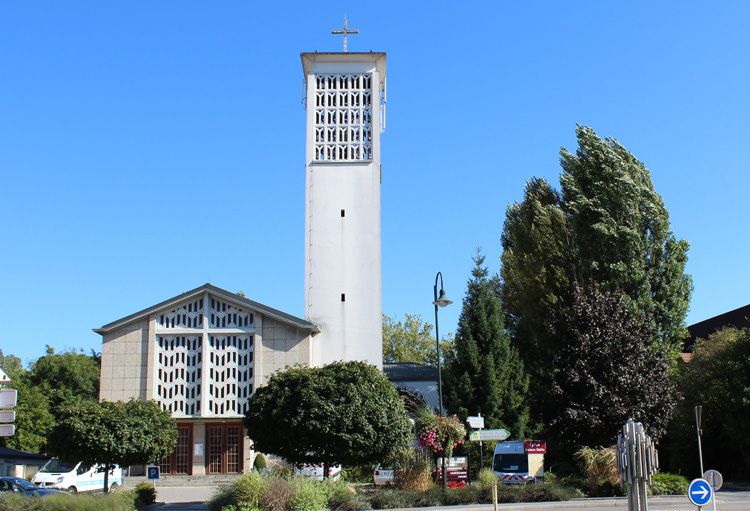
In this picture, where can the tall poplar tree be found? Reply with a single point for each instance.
(607, 227)
(484, 373)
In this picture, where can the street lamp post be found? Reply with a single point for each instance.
(440, 301)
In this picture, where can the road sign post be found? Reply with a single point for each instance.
(699, 431)
(489, 434)
(152, 474)
(477, 422)
(700, 492)
(715, 480)
(8, 399)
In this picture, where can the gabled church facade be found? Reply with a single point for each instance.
(200, 355)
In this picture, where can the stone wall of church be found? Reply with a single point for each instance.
(124, 372)
(280, 345)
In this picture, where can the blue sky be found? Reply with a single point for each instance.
(149, 147)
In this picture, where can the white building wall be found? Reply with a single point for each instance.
(342, 235)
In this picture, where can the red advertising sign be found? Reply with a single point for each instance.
(535, 446)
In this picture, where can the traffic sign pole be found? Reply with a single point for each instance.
(481, 450)
(715, 480)
(698, 413)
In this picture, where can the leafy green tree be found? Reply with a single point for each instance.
(619, 228)
(537, 270)
(33, 416)
(718, 379)
(11, 364)
(412, 341)
(608, 373)
(345, 412)
(132, 433)
(65, 377)
(485, 373)
(608, 227)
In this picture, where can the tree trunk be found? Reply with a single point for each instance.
(325, 470)
(106, 478)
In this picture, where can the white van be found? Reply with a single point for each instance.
(76, 477)
(519, 461)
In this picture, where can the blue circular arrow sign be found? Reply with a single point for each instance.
(700, 492)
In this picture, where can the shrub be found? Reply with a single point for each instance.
(278, 494)
(357, 474)
(11, 502)
(221, 498)
(260, 462)
(487, 478)
(337, 489)
(308, 495)
(599, 465)
(248, 489)
(608, 489)
(412, 469)
(467, 495)
(432, 497)
(144, 494)
(669, 484)
(351, 502)
(544, 492)
(119, 501)
(388, 499)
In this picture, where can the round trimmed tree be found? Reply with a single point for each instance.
(342, 413)
(113, 433)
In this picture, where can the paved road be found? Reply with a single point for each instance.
(191, 498)
(730, 501)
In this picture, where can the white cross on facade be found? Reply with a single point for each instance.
(345, 32)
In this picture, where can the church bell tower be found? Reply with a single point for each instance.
(345, 103)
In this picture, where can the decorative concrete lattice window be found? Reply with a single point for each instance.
(343, 117)
(178, 382)
(224, 315)
(230, 373)
(187, 315)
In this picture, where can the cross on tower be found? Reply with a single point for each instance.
(344, 32)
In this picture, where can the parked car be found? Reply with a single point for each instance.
(382, 476)
(314, 471)
(75, 477)
(22, 486)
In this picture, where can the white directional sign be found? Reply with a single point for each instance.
(8, 398)
(7, 429)
(475, 422)
(699, 492)
(489, 434)
(7, 416)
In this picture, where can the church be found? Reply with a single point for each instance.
(202, 353)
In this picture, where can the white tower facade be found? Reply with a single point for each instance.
(345, 100)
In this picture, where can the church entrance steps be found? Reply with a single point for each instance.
(172, 481)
